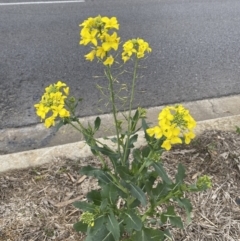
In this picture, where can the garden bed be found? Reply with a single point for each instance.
(36, 203)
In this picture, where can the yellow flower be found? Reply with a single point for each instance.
(109, 61)
(49, 122)
(158, 132)
(188, 137)
(128, 48)
(110, 42)
(166, 145)
(41, 110)
(90, 56)
(88, 37)
(175, 123)
(52, 102)
(101, 53)
(125, 58)
(60, 84)
(137, 46)
(110, 22)
(66, 90)
(88, 23)
(150, 131)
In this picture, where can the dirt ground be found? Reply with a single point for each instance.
(36, 203)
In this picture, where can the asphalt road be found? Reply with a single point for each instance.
(196, 52)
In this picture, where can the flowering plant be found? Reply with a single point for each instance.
(133, 182)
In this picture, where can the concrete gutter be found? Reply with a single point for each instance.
(219, 114)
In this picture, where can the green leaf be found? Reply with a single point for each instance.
(176, 221)
(180, 174)
(99, 224)
(137, 155)
(144, 125)
(161, 172)
(113, 226)
(97, 173)
(130, 145)
(160, 191)
(137, 193)
(132, 221)
(104, 235)
(114, 140)
(97, 123)
(85, 206)
(105, 150)
(60, 124)
(185, 203)
(145, 151)
(173, 218)
(110, 192)
(104, 204)
(80, 227)
(147, 234)
(123, 172)
(135, 203)
(132, 140)
(95, 197)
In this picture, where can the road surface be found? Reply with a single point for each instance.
(195, 43)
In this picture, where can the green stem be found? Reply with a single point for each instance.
(109, 76)
(130, 110)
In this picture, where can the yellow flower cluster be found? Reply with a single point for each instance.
(175, 123)
(95, 31)
(52, 103)
(135, 46)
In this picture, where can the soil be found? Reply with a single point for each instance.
(36, 203)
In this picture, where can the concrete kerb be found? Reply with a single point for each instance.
(214, 114)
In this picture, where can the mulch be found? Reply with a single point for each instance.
(36, 203)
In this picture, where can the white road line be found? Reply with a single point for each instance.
(50, 2)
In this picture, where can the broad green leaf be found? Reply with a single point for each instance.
(110, 192)
(132, 221)
(95, 197)
(165, 215)
(144, 125)
(99, 224)
(103, 235)
(160, 191)
(161, 172)
(123, 172)
(113, 226)
(173, 218)
(85, 206)
(147, 234)
(134, 120)
(145, 151)
(137, 155)
(95, 172)
(88, 170)
(128, 146)
(97, 123)
(80, 227)
(135, 203)
(105, 150)
(185, 203)
(176, 221)
(104, 204)
(137, 193)
(132, 140)
(180, 174)
(114, 140)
